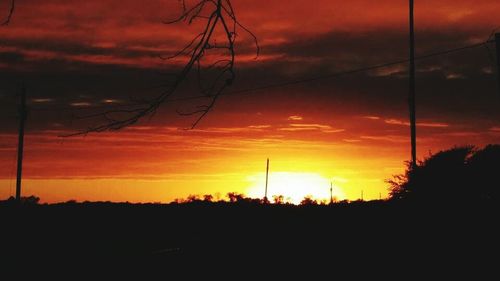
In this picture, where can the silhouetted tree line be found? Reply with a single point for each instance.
(239, 198)
(28, 200)
(460, 174)
(232, 198)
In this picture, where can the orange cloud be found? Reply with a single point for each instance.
(295, 118)
(420, 124)
(371, 117)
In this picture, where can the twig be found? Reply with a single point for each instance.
(10, 13)
(216, 15)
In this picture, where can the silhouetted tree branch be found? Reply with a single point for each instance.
(12, 6)
(216, 15)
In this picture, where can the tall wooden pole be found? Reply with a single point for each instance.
(411, 97)
(497, 40)
(331, 193)
(20, 143)
(267, 179)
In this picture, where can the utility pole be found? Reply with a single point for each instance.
(331, 193)
(267, 180)
(362, 199)
(497, 40)
(411, 97)
(20, 143)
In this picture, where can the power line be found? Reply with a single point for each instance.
(353, 71)
(295, 82)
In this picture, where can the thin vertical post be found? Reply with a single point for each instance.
(267, 179)
(411, 97)
(20, 143)
(362, 198)
(331, 193)
(497, 40)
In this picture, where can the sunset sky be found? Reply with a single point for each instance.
(77, 57)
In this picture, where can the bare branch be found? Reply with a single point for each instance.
(231, 13)
(183, 50)
(218, 22)
(196, 10)
(10, 13)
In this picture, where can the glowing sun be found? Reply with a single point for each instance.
(293, 186)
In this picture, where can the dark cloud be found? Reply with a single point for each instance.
(456, 87)
(61, 48)
(10, 58)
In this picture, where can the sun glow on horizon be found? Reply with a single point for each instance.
(294, 186)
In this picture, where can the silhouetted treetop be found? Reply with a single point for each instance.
(458, 174)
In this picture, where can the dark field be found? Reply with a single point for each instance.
(237, 241)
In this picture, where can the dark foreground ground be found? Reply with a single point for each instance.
(221, 241)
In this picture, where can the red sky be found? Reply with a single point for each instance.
(352, 131)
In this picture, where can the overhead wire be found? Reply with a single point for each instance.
(293, 82)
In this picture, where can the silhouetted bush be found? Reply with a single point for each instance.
(484, 168)
(235, 197)
(308, 201)
(458, 174)
(208, 198)
(279, 199)
(193, 198)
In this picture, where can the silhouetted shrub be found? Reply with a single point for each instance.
(458, 174)
(235, 197)
(193, 198)
(484, 168)
(208, 198)
(279, 199)
(308, 201)
(30, 200)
